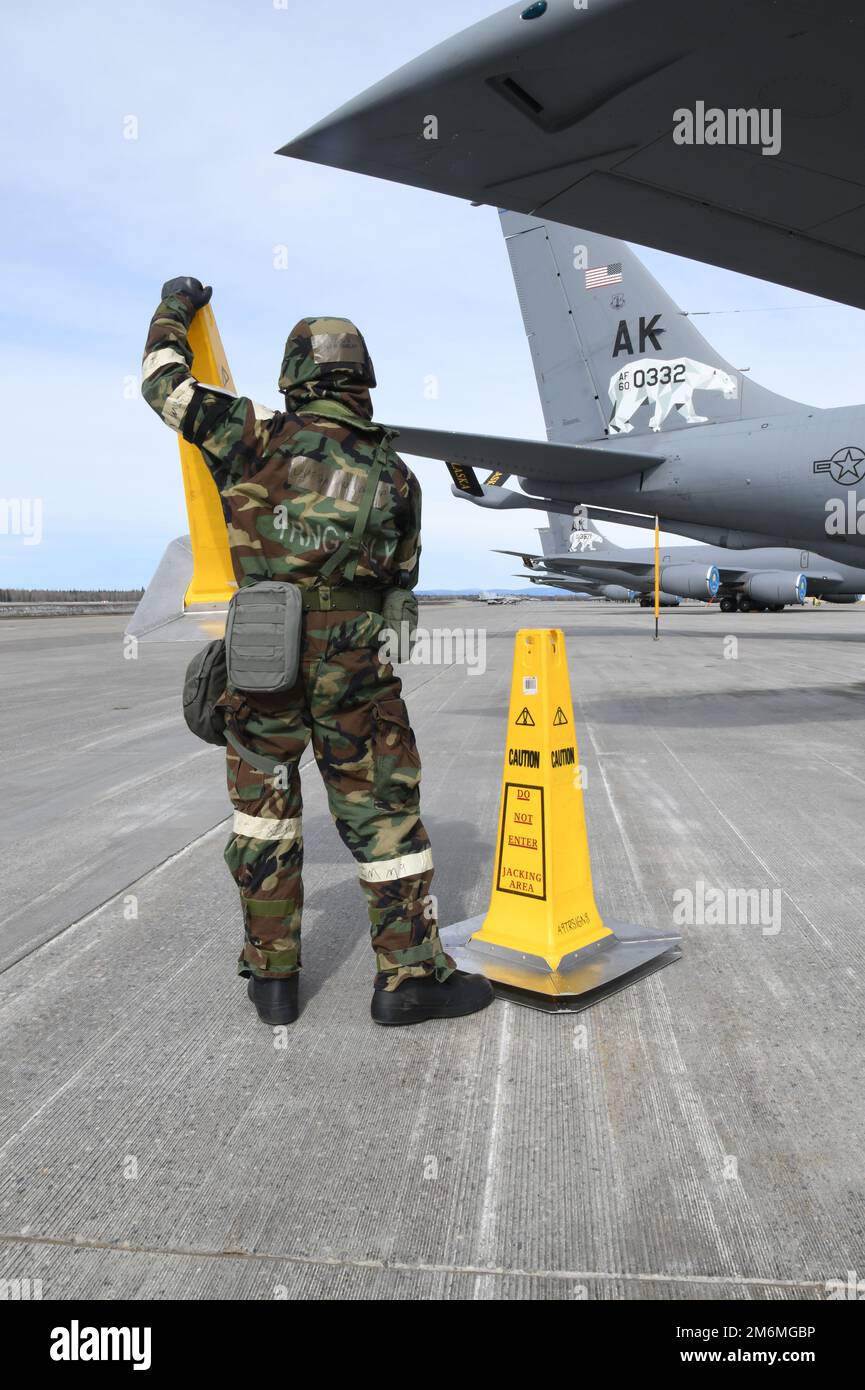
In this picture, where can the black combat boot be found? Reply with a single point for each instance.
(276, 999)
(424, 997)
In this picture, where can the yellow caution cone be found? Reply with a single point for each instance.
(543, 940)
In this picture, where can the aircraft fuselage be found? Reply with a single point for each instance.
(795, 479)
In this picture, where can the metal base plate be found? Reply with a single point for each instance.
(582, 978)
(161, 615)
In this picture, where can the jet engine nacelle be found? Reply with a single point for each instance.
(617, 594)
(841, 598)
(775, 587)
(667, 600)
(691, 581)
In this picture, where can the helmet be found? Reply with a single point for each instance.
(326, 353)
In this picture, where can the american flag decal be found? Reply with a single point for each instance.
(604, 275)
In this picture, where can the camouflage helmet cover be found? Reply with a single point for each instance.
(328, 353)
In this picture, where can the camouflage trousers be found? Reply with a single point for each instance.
(349, 703)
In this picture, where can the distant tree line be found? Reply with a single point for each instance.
(70, 595)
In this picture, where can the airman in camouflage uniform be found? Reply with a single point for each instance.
(291, 484)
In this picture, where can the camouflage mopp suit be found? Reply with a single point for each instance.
(291, 484)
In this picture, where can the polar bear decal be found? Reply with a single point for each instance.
(666, 385)
(584, 540)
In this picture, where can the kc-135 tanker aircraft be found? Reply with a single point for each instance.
(645, 417)
(565, 115)
(767, 579)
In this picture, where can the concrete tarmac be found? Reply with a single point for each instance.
(700, 1135)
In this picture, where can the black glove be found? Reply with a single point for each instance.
(192, 288)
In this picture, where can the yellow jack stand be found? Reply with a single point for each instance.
(543, 941)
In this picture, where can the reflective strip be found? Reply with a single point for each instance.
(312, 475)
(177, 404)
(387, 869)
(261, 828)
(165, 357)
(337, 347)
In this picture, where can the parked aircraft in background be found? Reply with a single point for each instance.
(767, 579)
(645, 417)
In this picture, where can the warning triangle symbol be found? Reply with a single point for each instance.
(525, 720)
(560, 719)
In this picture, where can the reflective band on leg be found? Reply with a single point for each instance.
(260, 828)
(405, 867)
(178, 403)
(164, 357)
(262, 907)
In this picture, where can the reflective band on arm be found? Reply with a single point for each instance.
(177, 403)
(164, 357)
(386, 869)
(261, 828)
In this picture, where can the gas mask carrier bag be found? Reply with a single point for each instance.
(263, 638)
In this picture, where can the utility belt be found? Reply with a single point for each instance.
(261, 650)
(323, 599)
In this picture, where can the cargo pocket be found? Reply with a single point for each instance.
(245, 783)
(396, 761)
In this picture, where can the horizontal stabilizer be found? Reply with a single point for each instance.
(570, 560)
(526, 458)
(163, 615)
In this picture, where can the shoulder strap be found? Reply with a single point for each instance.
(259, 761)
(351, 547)
(193, 429)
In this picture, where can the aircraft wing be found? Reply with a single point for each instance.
(527, 458)
(824, 576)
(736, 574)
(570, 115)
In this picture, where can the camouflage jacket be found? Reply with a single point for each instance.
(291, 483)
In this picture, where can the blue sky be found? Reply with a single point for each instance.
(95, 222)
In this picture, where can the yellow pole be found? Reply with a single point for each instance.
(212, 577)
(657, 576)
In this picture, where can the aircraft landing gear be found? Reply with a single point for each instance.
(745, 605)
(728, 605)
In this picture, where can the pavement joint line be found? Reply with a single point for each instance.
(749, 847)
(418, 1267)
(488, 1204)
(702, 1130)
(163, 863)
(94, 911)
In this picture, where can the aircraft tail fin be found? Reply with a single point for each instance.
(576, 534)
(613, 354)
